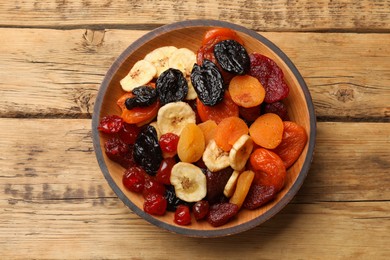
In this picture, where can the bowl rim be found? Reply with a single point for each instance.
(183, 230)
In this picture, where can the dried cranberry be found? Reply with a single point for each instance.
(119, 152)
(164, 172)
(168, 143)
(129, 133)
(111, 124)
(221, 213)
(182, 215)
(152, 186)
(270, 76)
(134, 179)
(201, 209)
(277, 108)
(155, 204)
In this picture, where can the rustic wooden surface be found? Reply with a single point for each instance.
(55, 203)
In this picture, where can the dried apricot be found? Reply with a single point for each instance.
(293, 141)
(242, 188)
(267, 130)
(209, 129)
(246, 91)
(225, 108)
(191, 143)
(228, 131)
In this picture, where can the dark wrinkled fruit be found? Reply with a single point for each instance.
(155, 204)
(232, 57)
(277, 108)
(134, 179)
(201, 209)
(182, 215)
(119, 152)
(221, 213)
(270, 76)
(143, 96)
(172, 200)
(208, 83)
(216, 182)
(111, 124)
(259, 195)
(171, 86)
(147, 152)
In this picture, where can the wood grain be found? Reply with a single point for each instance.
(61, 80)
(275, 15)
(54, 198)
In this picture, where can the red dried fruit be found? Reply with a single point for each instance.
(270, 76)
(201, 209)
(129, 133)
(164, 172)
(277, 108)
(250, 114)
(134, 179)
(155, 204)
(119, 152)
(182, 215)
(168, 143)
(111, 124)
(293, 141)
(152, 186)
(221, 213)
(216, 182)
(259, 195)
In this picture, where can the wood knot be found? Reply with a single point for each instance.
(345, 94)
(94, 38)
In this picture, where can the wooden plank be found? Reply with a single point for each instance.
(58, 72)
(275, 15)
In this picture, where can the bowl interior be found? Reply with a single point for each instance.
(189, 35)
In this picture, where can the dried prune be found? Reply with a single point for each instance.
(232, 57)
(147, 152)
(171, 198)
(119, 152)
(221, 213)
(171, 86)
(143, 96)
(216, 182)
(277, 108)
(270, 76)
(208, 83)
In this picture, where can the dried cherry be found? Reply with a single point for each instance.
(201, 209)
(134, 179)
(270, 75)
(155, 204)
(171, 86)
(168, 143)
(119, 152)
(182, 215)
(152, 186)
(129, 133)
(143, 96)
(111, 124)
(232, 57)
(221, 213)
(208, 83)
(147, 152)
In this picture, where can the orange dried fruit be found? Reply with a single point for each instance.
(267, 130)
(246, 91)
(228, 131)
(294, 140)
(242, 188)
(191, 143)
(209, 129)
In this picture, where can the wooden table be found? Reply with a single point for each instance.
(55, 203)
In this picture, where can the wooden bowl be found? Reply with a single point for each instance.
(189, 34)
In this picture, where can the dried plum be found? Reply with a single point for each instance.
(208, 83)
(143, 96)
(172, 200)
(270, 76)
(171, 86)
(232, 57)
(147, 152)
